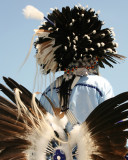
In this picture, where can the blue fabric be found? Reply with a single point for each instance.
(86, 95)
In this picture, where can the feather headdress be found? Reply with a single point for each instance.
(74, 38)
(27, 132)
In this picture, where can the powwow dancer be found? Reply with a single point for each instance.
(73, 41)
(29, 132)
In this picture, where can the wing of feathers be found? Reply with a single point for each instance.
(12, 132)
(25, 130)
(26, 95)
(103, 135)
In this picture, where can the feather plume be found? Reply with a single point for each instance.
(33, 13)
(26, 97)
(28, 133)
(30, 136)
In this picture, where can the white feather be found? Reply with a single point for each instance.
(49, 64)
(116, 44)
(43, 23)
(84, 141)
(98, 12)
(57, 124)
(52, 9)
(39, 142)
(102, 22)
(102, 44)
(33, 13)
(54, 67)
(50, 56)
(44, 53)
(86, 6)
(79, 5)
(45, 49)
(109, 50)
(113, 34)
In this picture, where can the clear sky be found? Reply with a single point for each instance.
(16, 34)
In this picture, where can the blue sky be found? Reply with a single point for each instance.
(16, 34)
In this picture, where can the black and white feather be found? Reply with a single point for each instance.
(28, 132)
(77, 38)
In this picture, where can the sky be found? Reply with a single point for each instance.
(17, 32)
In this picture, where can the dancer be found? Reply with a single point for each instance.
(29, 132)
(76, 43)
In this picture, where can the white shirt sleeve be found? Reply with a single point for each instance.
(88, 93)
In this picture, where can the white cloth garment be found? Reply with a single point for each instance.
(86, 95)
